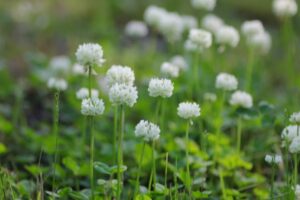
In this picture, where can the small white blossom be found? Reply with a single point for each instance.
(189, 22)
(295, 118)
(276, 159)
(92, 106)
(285, 8)
(261, 42)
(290, 132)
(153, 15)
(204, 4)
(147, 130)
(160, 87)
(136, 29)
(253, 27)
(212, 23)
(228, 35)
(90, 54)
(201, 38)
(226, 82)
(57, 84)
(297, 192)
(180, 62)
(122, 94)
(171, 26)
(169, 70)
(188, 110)
(83, 93)
(78, 69)
(60, 64)
(191, 47)
(210, 97)
(120, 74)
(295, 145)
(242, 99)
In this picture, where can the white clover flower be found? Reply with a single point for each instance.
(92, 106)
(285, 8)
(189, 22)
(290, 132)
(297, 192)
(90, 55)
(252, 27)
(295, 145)
(191, 47)
(83, 93)
(187, 110)
(211, 97)
(147, 130)
(136, 29)
(122, 94)
(212, 23)
(120, 74)
(261, 42)
(204, 4)
(180, 62)
(201, 38)
(171, 26)
(60, 64)
(160, 87)
(169, 70)
(228, 35)
(276, 159)
(295, 118)
(226, 82)
(57, 84)
(78, 69)
(153, 15)
(242, 99)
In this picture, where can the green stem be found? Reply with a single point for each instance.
(272, 180)
(166, 170)
(55, 133)
(157, 109)
(137, 183)
(295, 169)
(249, 71)
(223, 188)
(175, 180)
(90, 80)
(188, 177)
(239, 134)
(92, 146)
(153, 165)
(220, 111)
(120, 153)
(116, 114)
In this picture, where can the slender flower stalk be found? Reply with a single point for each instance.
(221, 103)
(188, 176)
(92, 146)
(153, 165)
(137, 183)
(116, 115)
(166, 169)
(273, 180)
(120, 152)
(239, 133)
(55, 133)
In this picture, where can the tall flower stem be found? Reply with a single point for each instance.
(116, 114)
(166, 170)
(92, 146)
(120, 153)
(223, 187)
(152, 180)
(239, 134)
(137, 183)
(295, 169)
(249, 70)
(220, 111)
(188, 177)
(55, 133)
(272, 180)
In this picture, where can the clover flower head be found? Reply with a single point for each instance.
(122, 94)
(120, 74)
(170, 70)
(57, 84)
(60, 64)
(136, 29)
(252, 27)
(90, 54)
(276, 159)
(261, 42)
(285, 8)
(83, 93)
(201, 38)
(212, 23)
(92, 106)
(295, 118)
(147, 130)
(228, 36)
(180, 62)
(242, 99)
(160, 87)
(188, 110)
(153, 15)
(295, 145)
(290, 132)
(226, 82)
(204, 4)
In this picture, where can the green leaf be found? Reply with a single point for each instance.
(102, 168)
(114, 169)
(71, 164)
(142, 197)
(3, 148)
(35, 169)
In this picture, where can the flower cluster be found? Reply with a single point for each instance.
(226, 82)
(291, 134)
(188, 110)
(122, 94)
(92, 106)
(199, 40)
(160, 87)
(169, 70)
(83, 93)
(136, 29)
(295, 118)
(121, 75)
(204, 4)
(285, 8)
(90, 54)
(212, 23)
(57, 84)
(60, 65)
(242, 99)
(180, 62)
(147, 130)
(227, 36)
(273, 159)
